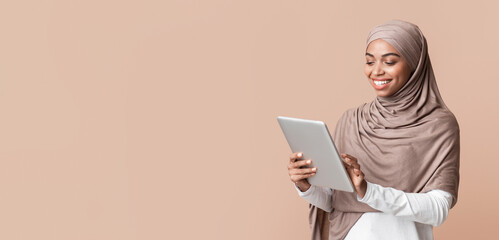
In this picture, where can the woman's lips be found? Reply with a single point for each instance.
(381, 83)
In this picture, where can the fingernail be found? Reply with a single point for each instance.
(313, 169)
(309, 161)
(299, 154)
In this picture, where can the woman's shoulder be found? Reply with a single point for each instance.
(445, 119)
(348, 115)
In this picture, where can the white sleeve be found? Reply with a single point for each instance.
(320, 197)
(428, 208)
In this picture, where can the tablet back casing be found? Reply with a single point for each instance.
(312, 138)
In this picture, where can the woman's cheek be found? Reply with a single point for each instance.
(367, 71)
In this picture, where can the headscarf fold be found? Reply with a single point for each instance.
(408, 141)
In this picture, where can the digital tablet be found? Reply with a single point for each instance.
(312, 138)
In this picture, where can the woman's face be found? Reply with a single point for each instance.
(385, 68)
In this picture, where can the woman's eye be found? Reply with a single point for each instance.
(390, 63)
(369, 63)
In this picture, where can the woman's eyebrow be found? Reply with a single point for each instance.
(384, 55)
(388, 54)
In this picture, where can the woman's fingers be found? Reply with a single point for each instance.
(302, 171)
(296, 169)
(296, 178)
(344, 155)
(355, 173)
(358, 173)
(345, 164)
(297, 174)
(356, 166)
(350, 161)
(295, 156)
(300, 163)
(352, 165)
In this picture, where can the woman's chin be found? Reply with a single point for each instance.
(383, 93)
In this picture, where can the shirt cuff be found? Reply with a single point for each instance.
(368, 194)
(307, 193)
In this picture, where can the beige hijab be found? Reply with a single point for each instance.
(408, 141)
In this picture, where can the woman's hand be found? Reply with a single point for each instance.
(299, 175)
(356, 175)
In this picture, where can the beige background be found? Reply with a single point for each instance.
(156, 119)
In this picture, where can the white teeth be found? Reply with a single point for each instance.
(379, 83)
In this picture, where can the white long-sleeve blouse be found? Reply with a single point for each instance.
(403, 215)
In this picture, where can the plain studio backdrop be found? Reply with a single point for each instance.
(157, 119)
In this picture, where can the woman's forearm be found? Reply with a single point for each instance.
(428, 208)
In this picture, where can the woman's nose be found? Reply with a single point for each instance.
(378, 70)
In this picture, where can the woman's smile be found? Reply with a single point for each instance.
(380, 83)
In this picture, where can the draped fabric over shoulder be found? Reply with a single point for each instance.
(408, 141)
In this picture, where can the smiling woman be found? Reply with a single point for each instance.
(386, 70)
(406, 141)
